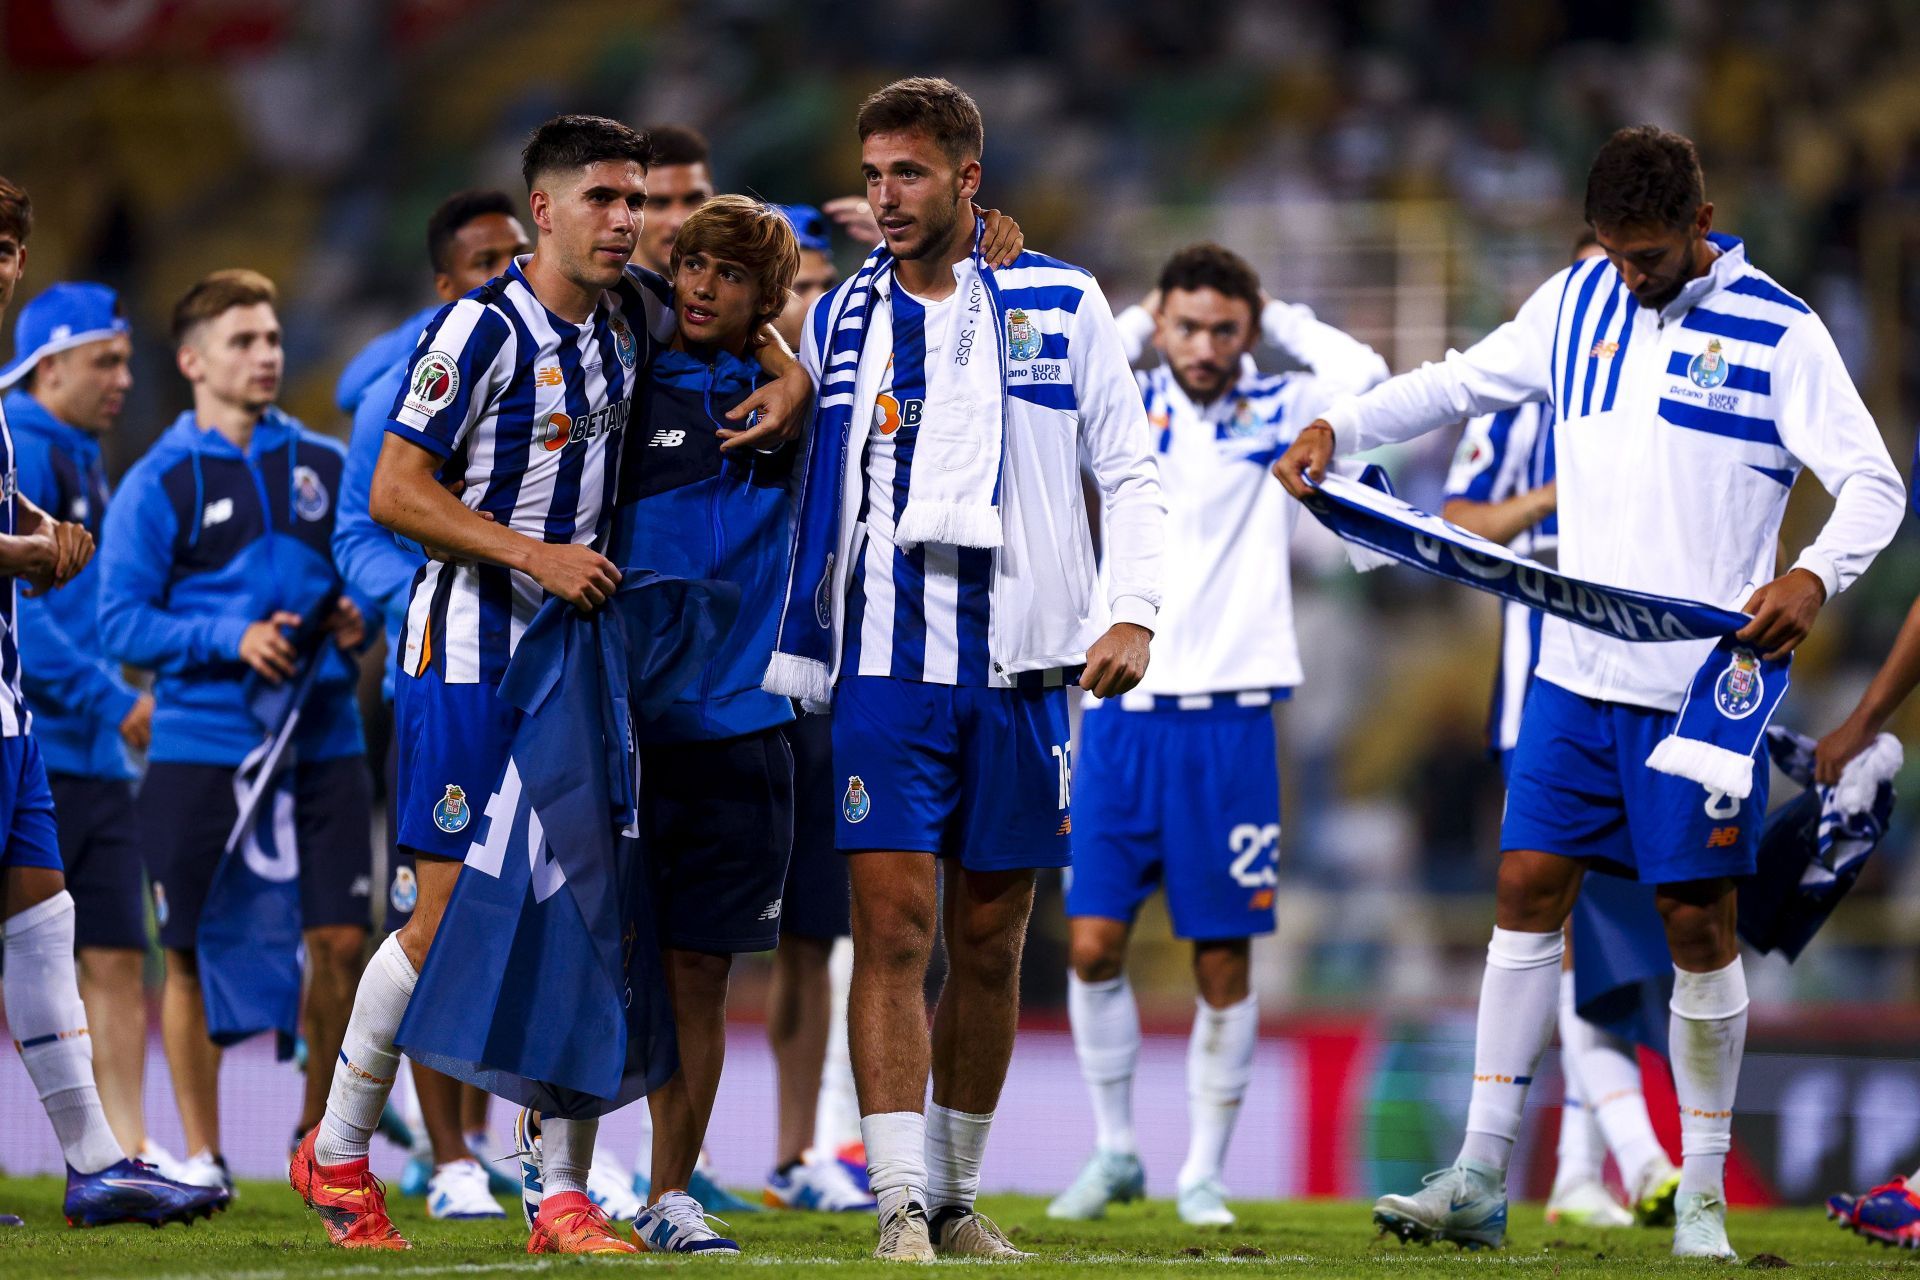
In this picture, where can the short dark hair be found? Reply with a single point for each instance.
(16, 211)
(455, 212)
(218, 293)
(574, 142)
(1211, 266)
(938, 108)
(677, 144)
(1645, 176)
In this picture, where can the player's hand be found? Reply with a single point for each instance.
(1304, 464)
(346, 624)
(1000, 240)
(1783, 613)
(136, 727)
(264, 647)
(1118, 660)
(855, 217)
(782, 406)
(575, 572)
(73, 548)
(1831, 753)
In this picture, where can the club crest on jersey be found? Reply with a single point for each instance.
(309, 495)
(404, 892)
(1244, 422)
(435, 382)
(452, 813)
(1023, 340)
(623, 343)
(823, 596)
(1740, 688)
(1709, 368)
(856, 804)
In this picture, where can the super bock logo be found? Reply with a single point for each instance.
(1709, 368)
(1740, 688)
(451, 814)
(856, 804)
(1023, 340)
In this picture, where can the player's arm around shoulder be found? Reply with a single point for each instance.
(1118, 448)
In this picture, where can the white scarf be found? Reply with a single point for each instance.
(953, 494)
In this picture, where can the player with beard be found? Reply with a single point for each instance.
(1179, 780)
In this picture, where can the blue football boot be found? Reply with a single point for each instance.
(130, 1191)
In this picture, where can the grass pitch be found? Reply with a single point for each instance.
(269, 1235)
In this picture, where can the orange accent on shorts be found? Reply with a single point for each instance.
(426, 651)
(1723, 837)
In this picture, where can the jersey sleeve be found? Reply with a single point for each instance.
(1118, 449)
(1507, 368)
(656, 301)
(1480, 459)
(1823, 422)
(461, 366)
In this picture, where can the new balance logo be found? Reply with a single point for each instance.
(1723, 837)
(219, 511)
(664, 439)
(771, 911)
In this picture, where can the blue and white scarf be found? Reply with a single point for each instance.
(1730, 701)
(953, 492)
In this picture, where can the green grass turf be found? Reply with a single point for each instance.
(268, 1235)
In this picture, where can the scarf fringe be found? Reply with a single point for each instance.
(953, 524)
(792, 676)
(1715, 768)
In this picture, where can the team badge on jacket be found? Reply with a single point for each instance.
(1740, 687)
(1709, 368)
(1023, 340)
(856, 804)
(404, 892)
(451, 814)
(309, 494)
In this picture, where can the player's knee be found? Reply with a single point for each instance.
(1535, 893)
(1096, 959)
(335, 950)
(986, 956)
(892, 936)
(1701, 935)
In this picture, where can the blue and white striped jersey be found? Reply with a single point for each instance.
(927, 613)
(918, 613)
(529, 411)
(14, 716)
(1677, 435)
(1502, 455)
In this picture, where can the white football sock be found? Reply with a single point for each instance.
(1581, 1153)
(896, 1158)
(1106, 1039)
(566, 1153)
(643, 1158)
(49, 1026)
(1608, 1069)
(368, 1061)
(956, 1141)
(836, 1119)
(1707, 1033)
(1219, 1064)
(1518, 996)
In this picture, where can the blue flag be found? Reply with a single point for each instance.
(544, 984)
(248, 942)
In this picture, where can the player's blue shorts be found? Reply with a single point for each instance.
(32, 839)
(1185, 799)
(978, 774)
(1578, 785)
(452, 743)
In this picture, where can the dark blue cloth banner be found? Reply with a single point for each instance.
(1365, 512)
(544, 984)
(248, 943)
